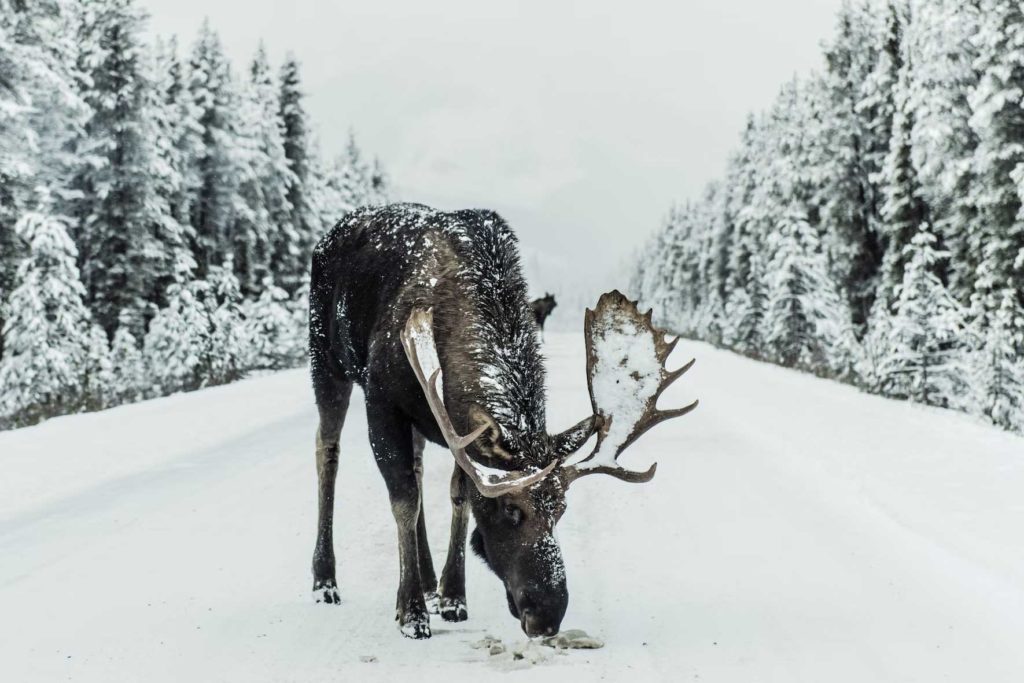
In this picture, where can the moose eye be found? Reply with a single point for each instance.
(514, 514)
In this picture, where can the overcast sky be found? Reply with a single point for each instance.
(581, 122)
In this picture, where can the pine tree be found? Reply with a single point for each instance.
(904, 210)
(998, 120)
(122, 215)
(274, 172)
(806, 322)
(847, 195)
(940, 44)
(230, 351)
(45, 368)
(999, 371)
(40, 112)
(251, 228)
(923, 361)
(276, 340)
(177, 346)
(129, 380)
(99, 373)
(294, 244)
(176, 140)
(211, 91)
(181, 146)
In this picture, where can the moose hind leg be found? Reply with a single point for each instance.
(333, 405)
(391, 439)
(453, 578)
(427, 576)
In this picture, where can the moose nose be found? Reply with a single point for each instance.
(535, 624)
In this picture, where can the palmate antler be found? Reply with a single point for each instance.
(418, 341)
(626, 375)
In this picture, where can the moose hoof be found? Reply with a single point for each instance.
(416, 627)
(326, 591)
(453, 609)
(432, 601)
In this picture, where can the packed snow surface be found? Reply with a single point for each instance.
(796, 530)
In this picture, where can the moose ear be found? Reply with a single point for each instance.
(489, 442)
(573, 438)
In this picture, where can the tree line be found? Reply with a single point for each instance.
(869, 227)
(157, 209)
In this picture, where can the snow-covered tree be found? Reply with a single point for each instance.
(121, 213)
(271, 170)
(177, 344)
(904, 210)
(212, 92)
(230, 350)
(295, 244)
(847, 194)
(998, 120)
(999, 366)
(100, 372)
(942, 51)
(129, 369)
(806, 321)
(277, 340)
(922, 360)
(40, 112)
(47, 330)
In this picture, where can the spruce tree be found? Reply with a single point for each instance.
(40, 113)
(848, 197)
(295, 243)
(177, 346)
(998, 120)
(999, 367)
(122, 216)
(924, 361)
(46, 364)
(213, 204)
(904, 210)
(129, 381)
(276, 340)
(941, 48)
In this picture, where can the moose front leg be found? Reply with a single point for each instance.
(453, 578)
(427, 576)
(391, 440)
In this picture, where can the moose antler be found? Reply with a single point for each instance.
(418, 340)
(626, 375)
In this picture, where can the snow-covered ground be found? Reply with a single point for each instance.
(796, 530)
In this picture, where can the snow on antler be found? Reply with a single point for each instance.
(626, 375)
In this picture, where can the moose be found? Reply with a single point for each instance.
(542, 308)
(427, 311)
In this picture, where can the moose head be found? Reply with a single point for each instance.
(520, 479)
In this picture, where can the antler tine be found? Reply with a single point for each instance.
(665, 349)
(625, 353)
(669, 377)
(490, 484)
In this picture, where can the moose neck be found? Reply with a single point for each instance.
(491, 358)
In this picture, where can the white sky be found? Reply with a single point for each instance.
(581, 122)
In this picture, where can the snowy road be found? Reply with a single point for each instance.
(797, 530)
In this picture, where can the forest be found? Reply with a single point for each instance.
(157, 209)
(869, 225)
